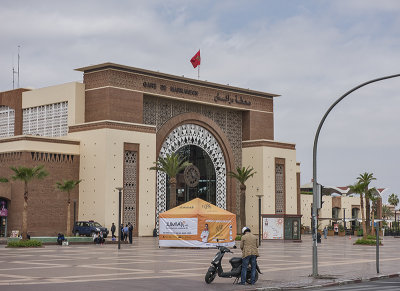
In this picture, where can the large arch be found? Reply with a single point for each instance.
(203, 126)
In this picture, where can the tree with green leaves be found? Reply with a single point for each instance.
(386, 212)
(26, 175)
(366, 179)
(393, 200)
(171, 165)
(3, 180)
(242, 175)
(359, 188)
(68, 186)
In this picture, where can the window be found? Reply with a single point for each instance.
(7, 119)
(335, 212)
(46, 120)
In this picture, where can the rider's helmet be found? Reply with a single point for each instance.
(245, 229)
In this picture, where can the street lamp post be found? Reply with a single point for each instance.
(344, 219)
(119, 215)
(259, 216)
(315, 197)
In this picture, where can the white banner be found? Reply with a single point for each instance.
(178, 226)
(192, 244)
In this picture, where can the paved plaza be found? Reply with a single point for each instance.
(145, 266)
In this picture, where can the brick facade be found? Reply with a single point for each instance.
(47, 206)
(13, 99)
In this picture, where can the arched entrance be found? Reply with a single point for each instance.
(197, 180)
(198, 143)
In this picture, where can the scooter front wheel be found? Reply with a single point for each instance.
(248, 276)
(210, 276)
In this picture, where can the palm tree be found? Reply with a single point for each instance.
(171, 165)
(386, 212)
(68, 186)
(242, 175)
(26, 175)
(366, 179)
(393, 199)
(358, 188)
(373, 196)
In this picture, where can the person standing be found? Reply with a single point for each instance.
(113, 231)
(126, 230)
(249, 246)
(325, 232)
(130, 229)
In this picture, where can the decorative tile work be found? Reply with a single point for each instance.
(10, 157)
(7, 120)
(130, 188)
(279, 188)
(149, 112)
(157, 111)
(52, 157)
(46, 120)
(193, 134)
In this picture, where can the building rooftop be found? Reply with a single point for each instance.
(113, 66)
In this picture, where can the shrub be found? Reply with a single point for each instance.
(369, 242)
(24, 244)
(373, 237)
(238, 237)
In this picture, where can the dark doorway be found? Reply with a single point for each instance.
(203, 186)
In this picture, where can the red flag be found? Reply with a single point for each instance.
(196, 60)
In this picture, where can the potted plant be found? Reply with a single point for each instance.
(330, 230)
(341, 230)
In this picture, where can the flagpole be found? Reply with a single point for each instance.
(198, 71)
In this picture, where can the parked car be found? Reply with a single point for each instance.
(88, 228)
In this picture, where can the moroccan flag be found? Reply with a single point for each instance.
(196, 60)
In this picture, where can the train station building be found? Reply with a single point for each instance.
(111, 128)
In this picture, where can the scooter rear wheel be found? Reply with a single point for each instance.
(248, 276)
(210, 276)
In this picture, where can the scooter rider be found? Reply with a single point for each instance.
(249, 245)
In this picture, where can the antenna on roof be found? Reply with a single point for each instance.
(16, 72)
(18, 65)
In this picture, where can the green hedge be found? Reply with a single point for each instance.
(24, 244)
(369, 242)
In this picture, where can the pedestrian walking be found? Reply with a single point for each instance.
(325, 232)
(130, 230)
(249, 246)
(113, 231)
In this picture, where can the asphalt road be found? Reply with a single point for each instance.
(390, 284)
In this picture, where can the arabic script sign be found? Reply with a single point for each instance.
(228, 99)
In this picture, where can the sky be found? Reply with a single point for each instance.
(309, 52)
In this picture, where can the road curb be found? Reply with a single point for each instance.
(331, 284)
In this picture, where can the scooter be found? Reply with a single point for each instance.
(236, 271)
